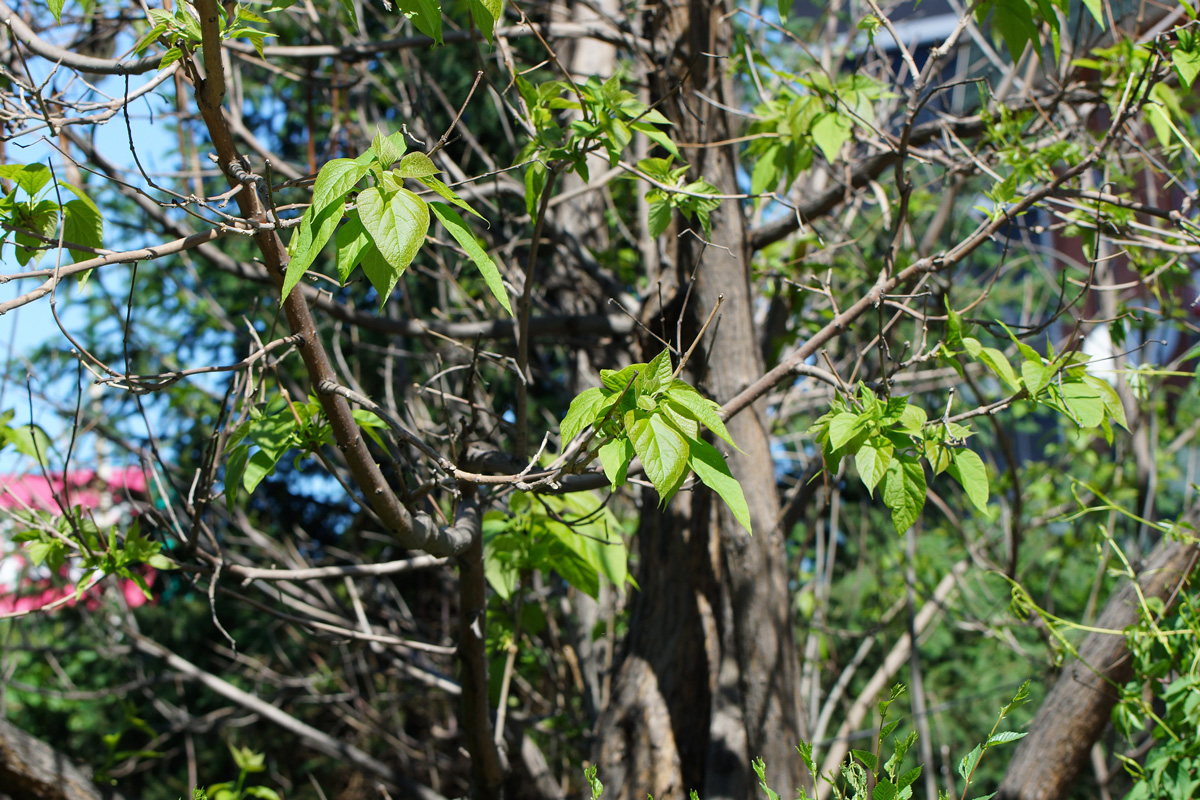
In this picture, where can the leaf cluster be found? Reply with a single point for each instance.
(644, 410)
(574, 535)
(387, 224)
(32, 216)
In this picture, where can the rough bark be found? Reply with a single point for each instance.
(707, 681)
(1078, 708)
(30, 769)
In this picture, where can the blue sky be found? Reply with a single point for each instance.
(24, 329)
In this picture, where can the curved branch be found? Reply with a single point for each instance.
(39, 46)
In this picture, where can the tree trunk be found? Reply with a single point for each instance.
(707, 681)
(30, 769)
(1077, 710)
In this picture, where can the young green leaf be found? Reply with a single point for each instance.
(657, 375)
(310, 237)
(1036, 375)
(380, 273)
(844, 427)
(968, 470)
(335, 180)
(872, 460)
(580, 414)
(425, 15)
(397, 223)
(830, 131)
(82, 224)
(704, 409)
(352, 242)
(448, 194)
(658, 217)
(904, 491)
(485, 13)
(966, 767)
(463, 235)
(387, 150)
(1084, 402)
(416, 165)
(710, 467)
(663, 450)
(30, 177)
(614, 457)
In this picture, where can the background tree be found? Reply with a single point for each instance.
(392, 308)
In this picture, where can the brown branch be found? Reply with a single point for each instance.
(413, 533)
(39, 46)
(487, 768)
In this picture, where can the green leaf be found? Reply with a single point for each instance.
(416, 165)
(466, 239)
(380, 273)
(681, 418)
(1112, 401)
(235, 468)
(1084, 402)
(658, 217)
(320, 219)
(169, 57)
(425, 15)
(56, 7)
(705, 410)
(397, 224)
(913, 419)
(260, 465)
(663, 450)
(904, 491)
(657, 375)
(30, 177)
(580, 414)
(954, 327)
(844, 427)
(616, 380)
(615, 456)
(448, 194)
(1097, 9)
(966, 767)
(485, 13)
(387, 149)
(760, 769)
(1036, 375)
(335, 180)
(535, 180)
(1014, 22)
(910, 777)
(872, 460)
(1004, 737)
(656, 135)
(82, 224)
(766, 174)
(30, 440)
(993, 358)
(150, 37)
(352, 242)
(830, 131)
(884, 790)
(710, 467)
(968, 470)
(1187, 64)
(42, 219)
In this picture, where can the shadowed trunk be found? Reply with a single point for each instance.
(707, 681)
(30, 769)
(1078, 708)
